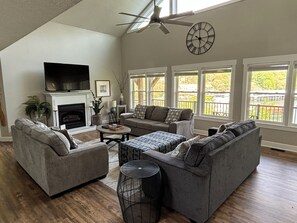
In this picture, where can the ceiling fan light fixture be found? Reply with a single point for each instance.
(154, 25)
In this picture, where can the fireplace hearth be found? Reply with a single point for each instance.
(72, 115)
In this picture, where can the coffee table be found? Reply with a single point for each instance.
(114, 135)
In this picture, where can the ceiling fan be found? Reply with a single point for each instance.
(155, 19)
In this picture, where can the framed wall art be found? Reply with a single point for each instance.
(102, 88)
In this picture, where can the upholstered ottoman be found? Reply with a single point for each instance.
(160, 141)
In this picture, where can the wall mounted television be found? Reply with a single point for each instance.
(66, 77)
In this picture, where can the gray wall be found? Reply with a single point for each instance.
(250, 28)
(22, 62)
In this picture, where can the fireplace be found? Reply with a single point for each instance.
(72, 115)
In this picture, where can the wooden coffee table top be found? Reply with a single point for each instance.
(123, 130)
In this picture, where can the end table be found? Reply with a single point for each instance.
(139, 191)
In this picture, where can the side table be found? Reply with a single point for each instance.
(139, 191)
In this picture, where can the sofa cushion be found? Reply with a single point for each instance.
(242, 127)
(132, 122)
(173, 115)
(197, 151)
(186, 114)
(160, 126)
(181, 150)
(54, 139)
(145, 123)
(24, 124)
(159, 113)
(149, 111)
(41, 125)
(139, 111)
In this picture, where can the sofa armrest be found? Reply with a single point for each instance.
(185, 128)
(185, 189)
(124, 116)
(81, 165)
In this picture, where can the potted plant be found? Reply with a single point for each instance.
(96, 105)
(36, 109)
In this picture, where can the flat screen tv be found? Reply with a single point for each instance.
(66, 77)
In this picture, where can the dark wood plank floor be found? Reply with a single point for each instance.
(268, 195)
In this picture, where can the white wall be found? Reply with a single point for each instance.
(22, 62)
(250, 28)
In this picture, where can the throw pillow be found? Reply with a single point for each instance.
(73, 144)
(173, 115)
(139, 111)
(223, 127)
(181, 150)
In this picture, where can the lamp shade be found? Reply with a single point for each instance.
(114, 104)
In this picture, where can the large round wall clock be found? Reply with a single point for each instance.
(200, 38)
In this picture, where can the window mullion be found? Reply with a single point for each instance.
(289, 96)
(173, 7)
(200, 92)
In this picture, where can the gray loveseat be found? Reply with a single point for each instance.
(211, 170)
(46, 156)
(155, 121)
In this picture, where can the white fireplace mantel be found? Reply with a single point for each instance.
(66, 98)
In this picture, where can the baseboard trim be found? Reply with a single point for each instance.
(6, 139)
(265, 143)
(281, 146)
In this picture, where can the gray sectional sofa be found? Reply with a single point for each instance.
(155, 121)
(46, 156)
(211, 170)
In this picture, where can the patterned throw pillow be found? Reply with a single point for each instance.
(181, 150)
(73, 144)
(173, 115)
(139, 111)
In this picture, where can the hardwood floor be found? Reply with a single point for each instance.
(268, 195)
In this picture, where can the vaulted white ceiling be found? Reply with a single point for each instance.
(102, 15)
(20, 17)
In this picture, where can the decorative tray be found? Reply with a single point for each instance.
(116, 127)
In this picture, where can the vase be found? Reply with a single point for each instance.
(121, 99)
(96, 119)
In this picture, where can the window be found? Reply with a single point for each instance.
(214, 98)
(147, 87)
(194, 5)
(270, 90)
(294, 109)
(267, 92)
(216, 91)
(177, 6)
(186, 89)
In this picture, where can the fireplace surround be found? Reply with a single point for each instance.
(75, 103)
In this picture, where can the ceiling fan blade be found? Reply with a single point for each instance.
(175, 22)
(138, 16)
(127, 23)
(180, 15)
(163, 28)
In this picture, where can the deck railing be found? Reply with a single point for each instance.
(267, 112)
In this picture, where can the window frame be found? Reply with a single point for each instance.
(291, 60)
(147, 73)
(204, 66)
